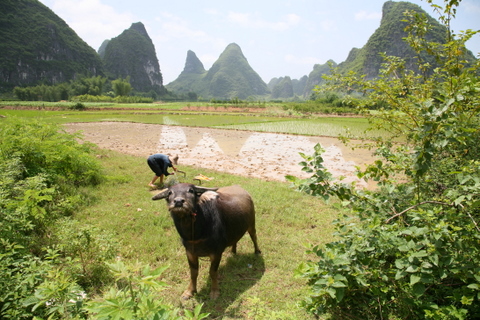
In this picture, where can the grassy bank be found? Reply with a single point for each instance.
(252, 287)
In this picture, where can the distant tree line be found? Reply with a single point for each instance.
(98, 89)
(83, 89)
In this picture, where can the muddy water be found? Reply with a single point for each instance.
(267, 156)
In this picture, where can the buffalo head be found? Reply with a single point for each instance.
(182, 198)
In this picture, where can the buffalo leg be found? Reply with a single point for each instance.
(192, 287)
(214, 264)
(253, 234)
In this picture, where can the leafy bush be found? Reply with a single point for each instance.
(78, 106)
(90, 98)
(132, 99)
(400, 254)
(40, 93)
(43, 148)
(57, 297)
(50, 265)
(89, 249)
(322, 107)
(41, 168)
(117, 99)
(20, 274)
(122, 87)
(409, 249)
(136, 296)
(91, 86)
(63, 91)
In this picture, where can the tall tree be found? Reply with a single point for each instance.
(122, 87)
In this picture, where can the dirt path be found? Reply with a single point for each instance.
(267, 156)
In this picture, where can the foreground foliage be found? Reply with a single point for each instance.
(40, 171)
(410, 249)
(136, 296)
(50, 264)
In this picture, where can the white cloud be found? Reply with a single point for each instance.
(176, 27)
(93, 21)
(249, 20)
(172, 27)
(364, 15)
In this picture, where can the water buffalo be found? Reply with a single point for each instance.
(208, 220)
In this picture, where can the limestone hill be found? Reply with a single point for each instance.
(132, 54)
(37, 46)
(229, 77)
(389, 39)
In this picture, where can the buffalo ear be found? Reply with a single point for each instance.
(200, 190)
(161, 195)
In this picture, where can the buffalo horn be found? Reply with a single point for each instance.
(161, 195)
(199, 189)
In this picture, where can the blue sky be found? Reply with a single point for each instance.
(278, 38)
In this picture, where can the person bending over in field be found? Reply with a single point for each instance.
(159, 164)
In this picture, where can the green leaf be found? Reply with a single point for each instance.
(459, 200)
(414, 279)
(474, 286)
(412, 269)
(332, 292)
(467, 300)
(340, 294)
(401, 263)
(400, 274)
(339, 284)
(362, 281)
(433, 257)
(418, 289)
(420, 254)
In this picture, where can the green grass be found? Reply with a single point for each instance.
(318, 126)
(172, 106)
(143, 116)
(98, 105)
(252, 287)
(324, 126)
